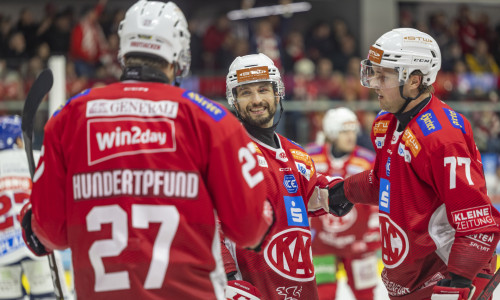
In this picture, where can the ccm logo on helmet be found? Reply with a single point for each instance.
(421, 60)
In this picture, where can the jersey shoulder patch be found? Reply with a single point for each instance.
(313, 149)
(83, 93)
(456, 119)
(214, 110)
(295, 143)
(428, 122)
(381, 113)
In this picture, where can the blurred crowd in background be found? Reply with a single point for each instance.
(319, 62)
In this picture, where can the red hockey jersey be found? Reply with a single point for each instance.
(131, 178)
(284, 269)
(435, 215)
(357, 232)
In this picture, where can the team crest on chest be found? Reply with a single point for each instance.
(289, 254)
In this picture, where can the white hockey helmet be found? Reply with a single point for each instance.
(158, 29)
(337, 120)
(249, 69)
(404, 50)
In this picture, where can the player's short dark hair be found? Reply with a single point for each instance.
(423, 88)
(142, 59)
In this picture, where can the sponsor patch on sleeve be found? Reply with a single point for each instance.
(380, 127)
(411, 142)
(58, 110)
(213, 109)
(473, 218)
(455, 118)
(428, 122)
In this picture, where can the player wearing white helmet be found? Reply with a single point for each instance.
(352, 239)
(15, 188)
(438, 228)
(254, 89)
(124, 184)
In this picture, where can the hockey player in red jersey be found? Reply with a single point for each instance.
(354, 238)
(133, 175)
(438, 228)
(284, 269)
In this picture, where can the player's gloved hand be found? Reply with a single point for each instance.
(29, 236)
(318, 203)
(337, 201)
(457, 288)
(239, 289)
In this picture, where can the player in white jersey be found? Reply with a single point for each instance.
(15, 188)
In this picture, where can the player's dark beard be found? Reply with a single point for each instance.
(259, 121)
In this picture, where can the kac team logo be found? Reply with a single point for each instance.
(289, 254)
(395, 244)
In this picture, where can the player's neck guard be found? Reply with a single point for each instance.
(405, 118)
(144, 73)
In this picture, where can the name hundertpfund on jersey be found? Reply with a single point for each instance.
(140, 183)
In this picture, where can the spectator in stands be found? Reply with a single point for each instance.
(294, 50)
(88, 44)
(59, 34)
(28, 27)
(467, 34)
(327, 84)
(16, 53)
(480, 60)
(214, 38)
(347, 51)
(319, 41)
(266, 41)
(5, 31)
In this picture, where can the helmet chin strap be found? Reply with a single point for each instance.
(407, 99)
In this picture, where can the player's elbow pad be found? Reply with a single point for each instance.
(337, 201)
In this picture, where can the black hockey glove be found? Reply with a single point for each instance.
(337, 201)
(29, 236)
(457, 287)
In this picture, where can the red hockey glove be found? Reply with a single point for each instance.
(239, 289)
(457, 288)
(29, 236)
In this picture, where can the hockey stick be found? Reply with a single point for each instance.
(39, 89)
(490, 287)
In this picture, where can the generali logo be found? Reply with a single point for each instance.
(118, 137)
(375, 55)
(251, 74)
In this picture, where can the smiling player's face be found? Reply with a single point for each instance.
(256, 103)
